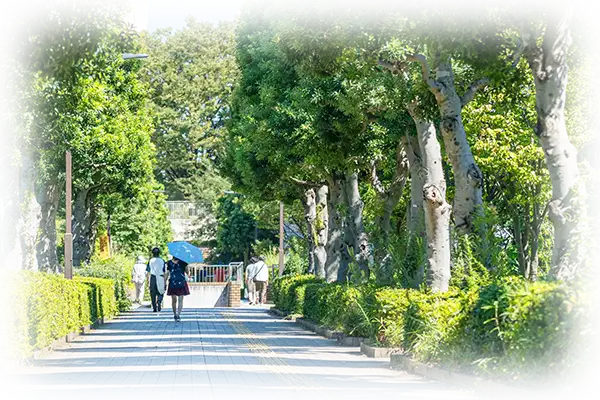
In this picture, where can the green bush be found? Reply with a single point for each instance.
(285, 294)
(48, 307)
(118, 268)
(509, 326)
(102, 297)
(55, 306)
(14, 323)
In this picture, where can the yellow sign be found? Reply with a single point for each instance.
(104, 251)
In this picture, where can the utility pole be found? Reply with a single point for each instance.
(281, 266)
(68, 235)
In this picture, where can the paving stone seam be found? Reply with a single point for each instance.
(269, 358)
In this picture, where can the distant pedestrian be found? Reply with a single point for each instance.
(178, 286)
(156, 279)
(261, 280)
(250, 273)
(138, 277)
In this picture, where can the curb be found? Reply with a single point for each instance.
(446, 375)
(342, 339)
(377, 352)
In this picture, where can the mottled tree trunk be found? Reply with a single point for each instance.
(84, 229)
(48, 198)
(310, 215)
(468, 179)
(415, 215)
(548, 64)
(335, 225)
(30, 213)
(356, 237)
(13, 224)
(436, 209)
(322, 231)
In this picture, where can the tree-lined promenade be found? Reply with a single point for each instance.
(432, 161)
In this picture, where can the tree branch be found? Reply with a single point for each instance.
(472, 90)
(533, 53)
(375, 181)
(431, 83)
(306, 183)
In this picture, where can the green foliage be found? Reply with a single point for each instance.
(296, 257)
(509, 327)
(58, 37)
(285, 294)
(48, 307)
(14, 321)
(236, 230)
(191, 73)
(118, 269)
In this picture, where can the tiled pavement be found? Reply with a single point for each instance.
(218, 353)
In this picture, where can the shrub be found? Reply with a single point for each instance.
(48, 307)
(510, 326)
(52, 307)
(102, 297)
(14, 323)
(118, 268)
(284, 291)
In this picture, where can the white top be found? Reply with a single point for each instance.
(156, 266)
(138, 274)
(250, 271)
(261, 271)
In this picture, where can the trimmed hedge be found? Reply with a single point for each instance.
(511, 326)
(48, 307)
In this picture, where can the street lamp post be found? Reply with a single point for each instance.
(68, 223)
(281, 266)
(68, 235)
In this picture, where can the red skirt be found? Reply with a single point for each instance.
(183, 291)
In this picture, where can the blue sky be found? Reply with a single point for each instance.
(165, 13)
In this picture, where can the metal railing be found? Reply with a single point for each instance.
(232, 272)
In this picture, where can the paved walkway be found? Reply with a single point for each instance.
(218, 353)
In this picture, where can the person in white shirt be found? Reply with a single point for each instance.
(250, 272)
(138, 277)
(156, 279)
(261, 279)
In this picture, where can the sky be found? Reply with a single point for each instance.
(165, 13)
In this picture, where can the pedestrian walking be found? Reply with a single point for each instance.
(138, 277)
(156, 279)
(178, 286)
(261, 280)
(250, 272)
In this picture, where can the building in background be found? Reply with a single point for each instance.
(138, 14)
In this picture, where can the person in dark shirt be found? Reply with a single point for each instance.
(178, 286)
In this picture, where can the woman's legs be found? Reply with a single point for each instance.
(180, 305)
(174, 304)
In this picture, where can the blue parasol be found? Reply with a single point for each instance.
(185, 252)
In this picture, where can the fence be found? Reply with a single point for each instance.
(232, 272)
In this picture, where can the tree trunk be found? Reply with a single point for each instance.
(84, 232)
(48, 198)
(394, 192)
(335, 226)
(436, 209)
(548, 64)
(468, 179)
(30, 213)
(322, 231)
(416, 216)
(310, 214)
(13, 224)
(357, 239)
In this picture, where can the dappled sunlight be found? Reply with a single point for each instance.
(229, 350)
